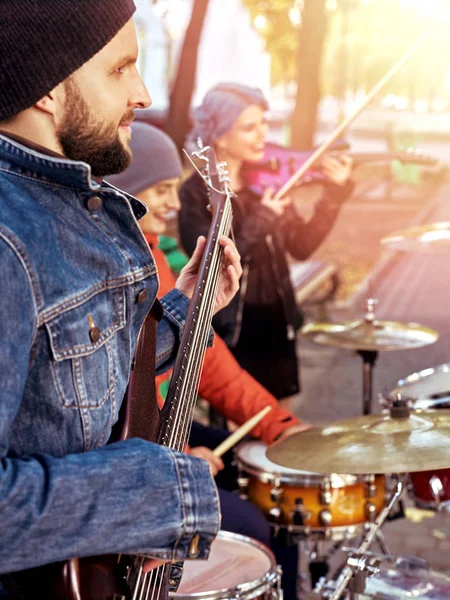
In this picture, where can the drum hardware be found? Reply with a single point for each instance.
(325, 518)
(434, 238)
(417, 441)
(424, 390)
(367, 337)
(437, 489)
(428, 388)
(299, 515)
(371, 512)
(302, 505)
(325, 493)
(242, 482)
(370, 487)
(359, 565)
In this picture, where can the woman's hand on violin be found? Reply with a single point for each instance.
(337, 170)
(276, 206)
(229, 276)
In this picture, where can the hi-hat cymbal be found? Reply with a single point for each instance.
(369, 335)
(434, 237)
(370, 444)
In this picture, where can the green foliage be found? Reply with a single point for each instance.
(280, 34)
(365, 38)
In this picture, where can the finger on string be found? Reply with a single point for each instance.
(233, 278)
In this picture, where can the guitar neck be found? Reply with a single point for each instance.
(183, 388)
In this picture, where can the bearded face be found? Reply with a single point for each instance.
(84, 136)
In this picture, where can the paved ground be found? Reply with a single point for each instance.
(410, 287)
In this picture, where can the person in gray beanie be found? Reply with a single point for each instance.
(155, 159)
(77, 281)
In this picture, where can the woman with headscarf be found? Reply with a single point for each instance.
(260, 323)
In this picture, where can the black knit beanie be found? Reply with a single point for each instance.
(44, 41)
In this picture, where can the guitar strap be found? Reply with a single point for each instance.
(139, 415)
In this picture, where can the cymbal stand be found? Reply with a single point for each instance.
(369, 359)
(353, 575)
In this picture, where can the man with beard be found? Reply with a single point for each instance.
(76, 282)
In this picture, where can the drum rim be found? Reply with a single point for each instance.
(308, 479)
(247, 590)
(402, 385)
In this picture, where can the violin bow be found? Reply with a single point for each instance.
(342, 126)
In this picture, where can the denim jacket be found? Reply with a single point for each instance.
(76, 281)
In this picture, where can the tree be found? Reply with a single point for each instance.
(178, 121)
(312, 36)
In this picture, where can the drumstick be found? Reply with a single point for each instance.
(235, 437)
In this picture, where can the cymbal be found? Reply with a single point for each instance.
(434, 238)
(370, 444)
(369, 335)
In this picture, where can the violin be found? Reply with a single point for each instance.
(280, 164)
(314, 156)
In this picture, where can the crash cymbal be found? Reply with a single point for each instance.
(370, 335)
(370, 444)
(434, 238)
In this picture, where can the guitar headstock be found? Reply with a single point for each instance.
(214, 174)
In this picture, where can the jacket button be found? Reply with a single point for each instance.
(94, 334)
(193, 547)
(142, 296)
(94, 203)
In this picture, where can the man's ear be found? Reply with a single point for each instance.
(48, 103)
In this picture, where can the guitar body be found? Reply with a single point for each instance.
(94, 578)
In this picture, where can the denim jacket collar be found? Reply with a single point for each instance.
(34, 164)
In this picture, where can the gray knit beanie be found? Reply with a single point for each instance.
(155, 158)
(44, 41)
(220, 108)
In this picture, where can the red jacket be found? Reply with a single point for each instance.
(224, 384)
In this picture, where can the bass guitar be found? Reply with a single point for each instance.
(121, 577)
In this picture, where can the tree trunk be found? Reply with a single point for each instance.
(178, 121)
(312, 36)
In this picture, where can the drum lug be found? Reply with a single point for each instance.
(370, 489)
(299, 515)
(275, 515)
(436, 489)
(325, 493)
(371, 511)
(325, 518)
(242, 482)
(276, 495)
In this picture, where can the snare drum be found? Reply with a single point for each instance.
(237, 567)
(427, 389)
(324, 506)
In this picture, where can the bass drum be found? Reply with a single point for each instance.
(237, 567)
(407, 579)
(427, 389)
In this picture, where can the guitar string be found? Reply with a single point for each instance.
(199, 344)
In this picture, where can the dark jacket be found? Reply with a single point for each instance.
(263, 241)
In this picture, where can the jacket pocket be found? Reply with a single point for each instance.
(82, 342)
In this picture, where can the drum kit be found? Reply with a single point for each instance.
(357, 470)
